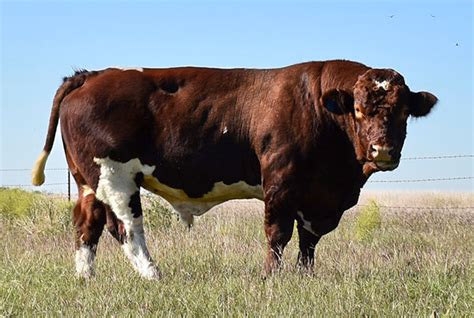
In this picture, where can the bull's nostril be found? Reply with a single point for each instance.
(381, 153)
(373, 151)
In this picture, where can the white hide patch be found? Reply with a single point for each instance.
(138, 69)
(306, 224)
(117, 185)
(225, 130)
(188, 207)
(385, 84)
(85, 262)
(86, 190)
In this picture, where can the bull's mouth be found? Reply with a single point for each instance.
(387, 165)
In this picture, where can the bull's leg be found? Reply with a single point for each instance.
(115, 226)
(279, 221)
(311, 231)
(89, 220)
(307, 244)
(119, 185)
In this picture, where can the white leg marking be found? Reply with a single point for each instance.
(137, 252)
(306, 224)
(116, 187)
(85, 262)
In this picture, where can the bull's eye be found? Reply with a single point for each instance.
(358, 112)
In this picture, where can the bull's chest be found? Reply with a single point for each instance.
(325, 201)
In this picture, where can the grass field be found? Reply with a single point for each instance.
(379, 262)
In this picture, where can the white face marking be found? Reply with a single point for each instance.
(116, 186)
(306, 224)
(385, 84)
(85, 262)
(225, 130)
(86, 190)
(138, 69)
(37, 174)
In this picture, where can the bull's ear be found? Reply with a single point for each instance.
(338, 101)
(421, 103)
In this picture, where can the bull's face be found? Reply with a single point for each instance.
(380, 105)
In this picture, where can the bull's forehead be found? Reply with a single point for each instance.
(380, 88)
(382, 78)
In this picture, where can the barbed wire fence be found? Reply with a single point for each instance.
(457, 178)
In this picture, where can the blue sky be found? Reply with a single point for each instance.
(429, 42)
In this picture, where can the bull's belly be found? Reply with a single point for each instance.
(116, 183)
(219, 193)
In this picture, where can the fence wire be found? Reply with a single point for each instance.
(418, 207)
(438, 157)
(29, 169)
(420, 180)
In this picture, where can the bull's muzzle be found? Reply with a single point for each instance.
(383, 157)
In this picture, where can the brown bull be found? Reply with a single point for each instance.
(303, 138)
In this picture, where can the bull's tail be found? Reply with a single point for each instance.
(69, 84)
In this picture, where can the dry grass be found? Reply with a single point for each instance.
(417, 262)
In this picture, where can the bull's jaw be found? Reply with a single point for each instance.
(370, 167)
(387, 165)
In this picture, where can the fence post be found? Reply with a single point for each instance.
(68, 185)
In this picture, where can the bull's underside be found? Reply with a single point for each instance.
(199, 137)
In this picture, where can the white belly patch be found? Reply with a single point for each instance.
(219, 193)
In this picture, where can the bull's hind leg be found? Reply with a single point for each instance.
(115, 226)
(119, 187)
(89, 219)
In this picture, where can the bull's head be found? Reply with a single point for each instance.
(379, 104)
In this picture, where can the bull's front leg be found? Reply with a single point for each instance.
(279, 222)
(308, 239)
(312, 225)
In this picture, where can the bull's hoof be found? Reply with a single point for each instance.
(85, 274)
(305, 268)
(151, 273)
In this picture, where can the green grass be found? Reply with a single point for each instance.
(368, 222)
(417, 262)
